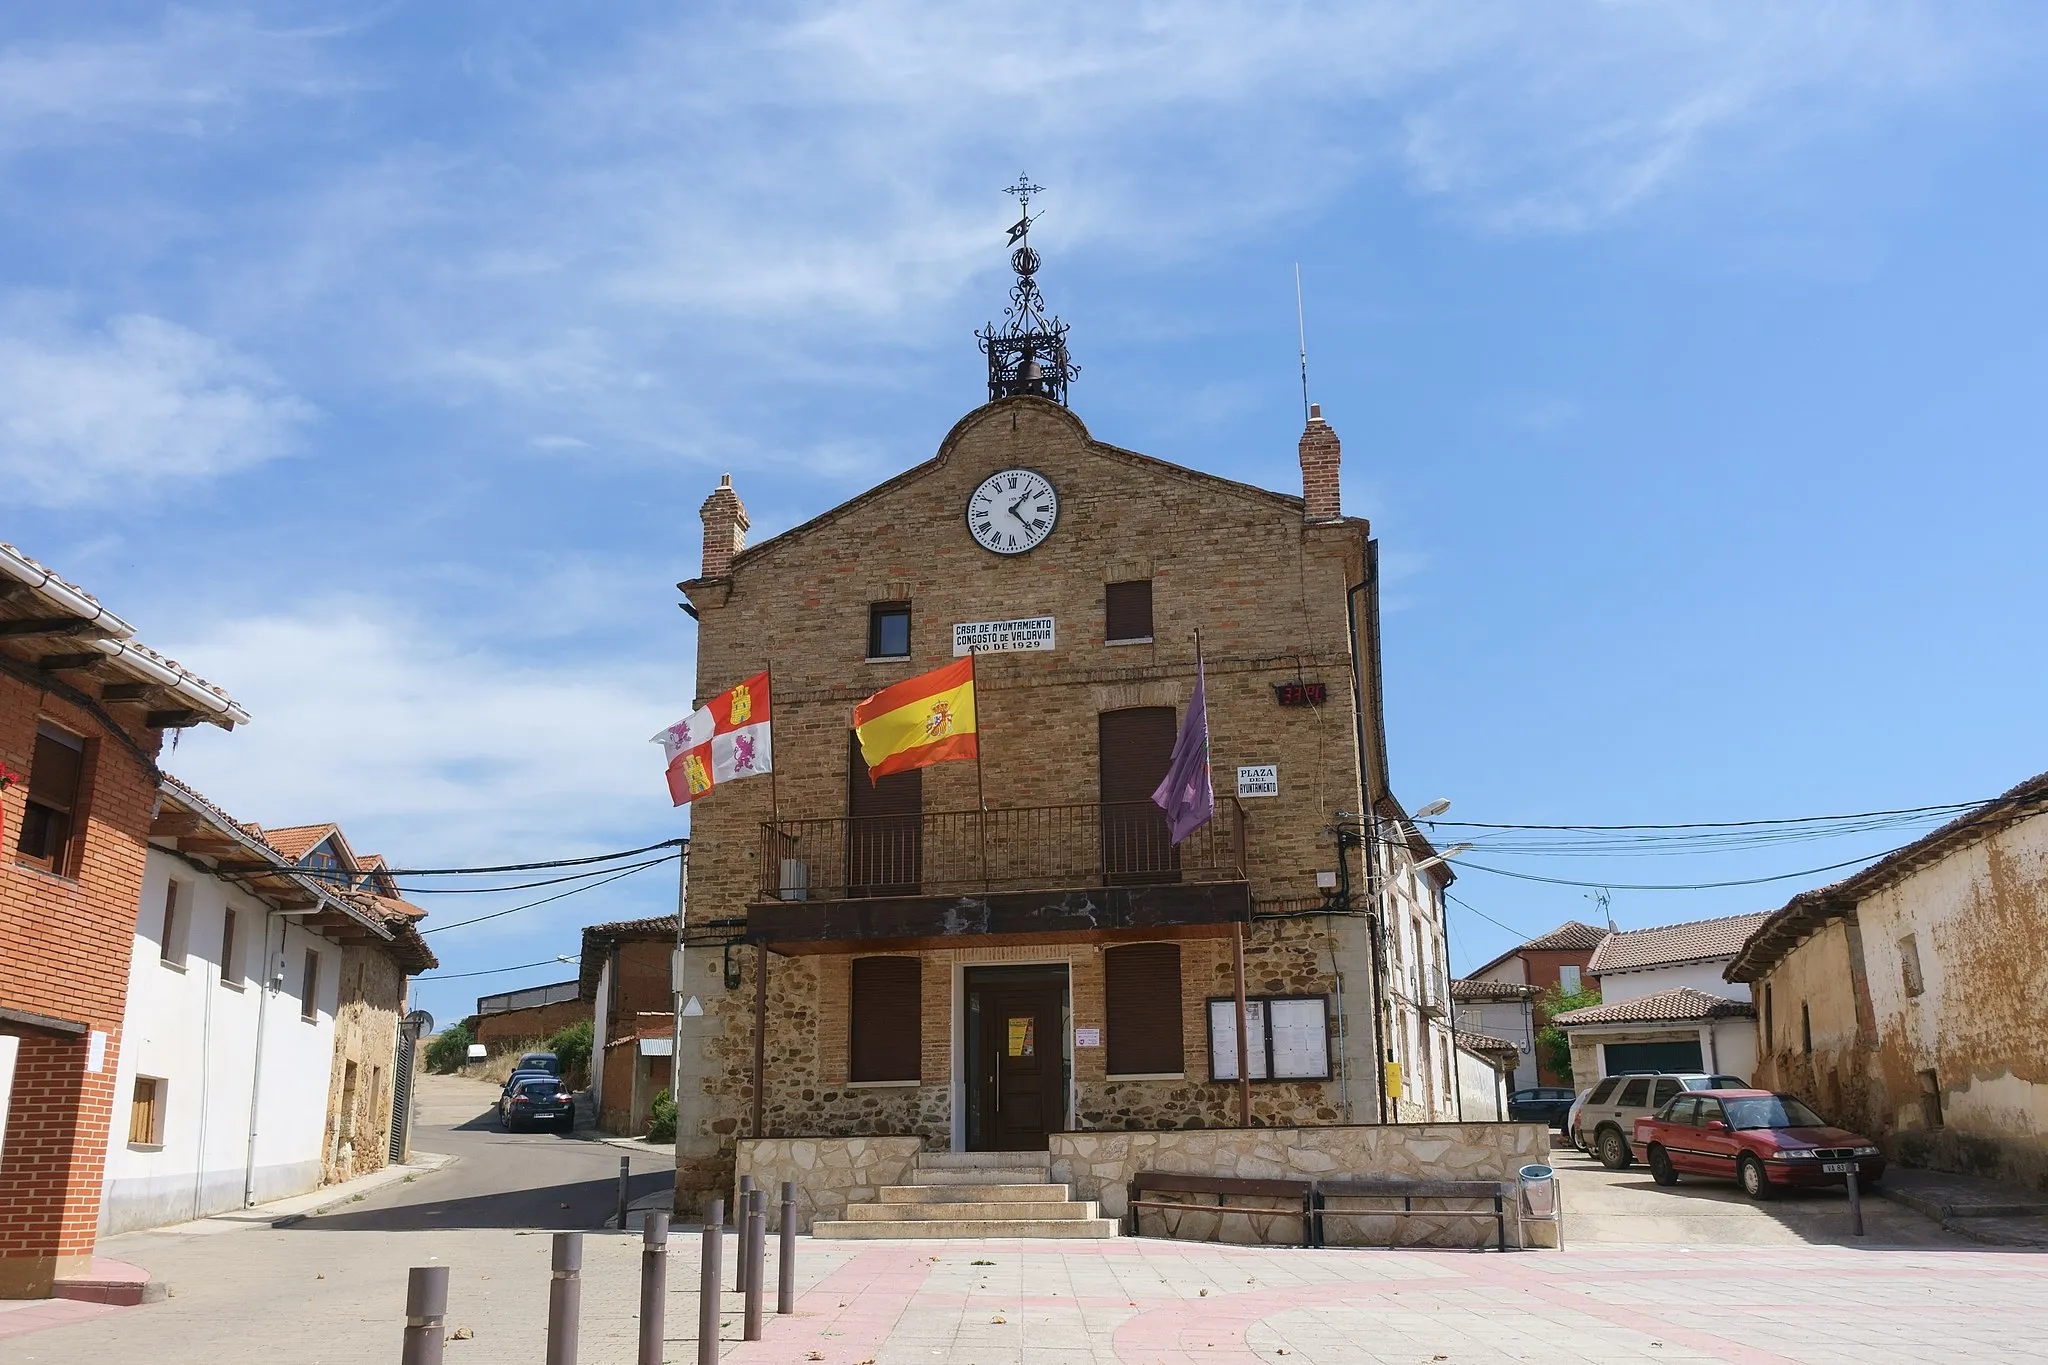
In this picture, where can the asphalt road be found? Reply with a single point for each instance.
(542, 1180)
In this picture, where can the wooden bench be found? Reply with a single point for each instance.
(1225, 1188)
(1408, 1191)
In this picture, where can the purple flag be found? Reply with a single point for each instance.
(1186, 795)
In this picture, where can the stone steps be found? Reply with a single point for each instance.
(973, 1195)
(982, 1211)
(974, 1229)
(1038, 1193)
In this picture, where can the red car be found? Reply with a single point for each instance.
(1764, 1141)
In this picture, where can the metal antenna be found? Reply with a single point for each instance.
(1598, 895)
(1301, 328)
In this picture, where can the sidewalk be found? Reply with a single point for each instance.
(1987, 1211)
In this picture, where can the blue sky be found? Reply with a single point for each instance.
(373, 359)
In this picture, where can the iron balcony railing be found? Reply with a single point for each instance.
(941, 853)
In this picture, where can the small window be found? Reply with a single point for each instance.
(54, 817)
(230, 968)
(1665, 1092)
(1127, 612)
(1805, 1029)
(171, 941)
(146, 1112)
(1909, 964)
(1635, 1095)
(885, 1034)
(1568, 979)
(309, 993)
(889, 630)
(1603, 1090)
(1930, 1098)
(1142, 1009)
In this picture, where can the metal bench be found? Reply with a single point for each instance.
(1225, 1188)
(1499, 1192)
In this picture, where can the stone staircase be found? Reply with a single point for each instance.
(973, 1194)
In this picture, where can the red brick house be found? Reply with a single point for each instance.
(1559, 960)
(83, 710)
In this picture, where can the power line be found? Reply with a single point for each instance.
(572, 891)
(1669, 886)
(1723, 824)
(493, 971)
(683, 844)
(527, 886)
(1482, 914)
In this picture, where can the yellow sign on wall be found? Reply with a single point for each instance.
(1393, 1080)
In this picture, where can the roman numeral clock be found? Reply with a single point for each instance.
(1013, 511)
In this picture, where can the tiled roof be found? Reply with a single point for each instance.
(1566, 937)
(1482, 1042)
(1699, 940)
(1466, 989)
(296, 841)
(1682, 1006)
(1785, 928)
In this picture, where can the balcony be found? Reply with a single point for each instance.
(1081, 868)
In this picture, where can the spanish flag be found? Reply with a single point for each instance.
(919, 721)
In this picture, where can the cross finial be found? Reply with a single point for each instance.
(1023, 189)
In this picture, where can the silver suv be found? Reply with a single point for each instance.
(1612, 1107)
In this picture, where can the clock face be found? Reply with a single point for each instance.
(1013, 510)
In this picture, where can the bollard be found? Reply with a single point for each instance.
(739, 1225)
(565, 1298)
(1855, 1205)
(426, 1305)
(707, 1283)
(785, 1258)
(625, 1170)
(653, 1286)
(754, 1243)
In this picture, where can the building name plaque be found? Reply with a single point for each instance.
(1262, 779)
(1002, 637)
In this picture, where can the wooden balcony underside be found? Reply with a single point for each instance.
(1101, 914)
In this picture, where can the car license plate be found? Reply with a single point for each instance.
(1838, 1167)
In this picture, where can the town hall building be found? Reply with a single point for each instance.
(1010, 956)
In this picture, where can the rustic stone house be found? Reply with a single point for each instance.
(1905, 1001)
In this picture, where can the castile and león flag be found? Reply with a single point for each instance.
(725, 739)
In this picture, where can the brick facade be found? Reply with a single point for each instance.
(1263, 575)
(67, 945)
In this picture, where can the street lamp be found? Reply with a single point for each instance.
(1453, 851)
(1434, 808)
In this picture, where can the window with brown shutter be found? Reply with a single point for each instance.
(884, 828)
(1127, 611)
(1135, 748)
(53, 818)
(1142, 1008)
(885, 1032)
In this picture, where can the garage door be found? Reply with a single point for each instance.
(1674, 1056)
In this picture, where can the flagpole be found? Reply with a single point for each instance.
(980, 798)
(774, 801)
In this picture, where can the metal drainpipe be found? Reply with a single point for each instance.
(256, 1069)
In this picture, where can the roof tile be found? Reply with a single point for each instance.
(1682, 1006)
(1669, 944)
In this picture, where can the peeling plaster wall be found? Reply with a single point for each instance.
(1979, 918)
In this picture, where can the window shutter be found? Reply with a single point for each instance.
(54, 773)
(1141, 995)
(885, 1033)
(1127, 610)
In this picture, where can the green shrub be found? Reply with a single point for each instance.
(1553, 1044)
(449, 1049)
(662, 1126)
(572, 1047)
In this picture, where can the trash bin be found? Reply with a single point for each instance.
(1539, 1199)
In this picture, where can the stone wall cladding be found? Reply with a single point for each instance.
(1267, 589)
(1100, 1166)
(368, 1005)
(829, 1173)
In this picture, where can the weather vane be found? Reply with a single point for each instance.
(1028, 355)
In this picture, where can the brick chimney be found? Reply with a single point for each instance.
(725, 528)
(1321, 454)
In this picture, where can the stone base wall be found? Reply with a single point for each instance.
(830, 1173)
(1100, 1166)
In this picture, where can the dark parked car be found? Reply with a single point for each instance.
(514, 1081)
(540, 1061)
(1764, 1141)
(1541, 1104)
(538, 1103)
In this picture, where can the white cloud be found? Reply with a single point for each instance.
(143, 401)
(433, 752)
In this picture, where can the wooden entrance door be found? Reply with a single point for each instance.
(1135, 749)
(1017, 1074)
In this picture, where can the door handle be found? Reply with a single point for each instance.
(997, 1086)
